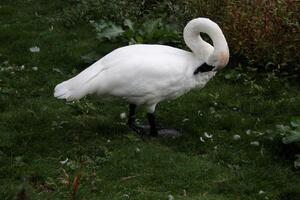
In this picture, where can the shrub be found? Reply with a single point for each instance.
(291, 136)
(265, 32)
(84, 10)
(151, 31)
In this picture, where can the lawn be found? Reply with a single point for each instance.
(50, 149)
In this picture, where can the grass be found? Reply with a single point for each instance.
(37, 132)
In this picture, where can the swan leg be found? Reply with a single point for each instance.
(152, 123)
(164, 132)
(132, 121)
(161, 132)
(131, 117)
(144, 130)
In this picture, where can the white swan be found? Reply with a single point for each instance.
(146, 74)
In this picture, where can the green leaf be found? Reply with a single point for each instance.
(152, 25)
(282, 129)
(139, 39)
(129, 24)
(111, 32)
(150, 28)
(100, 26)
(294, 136)
(72, 164)
(295, 122)
(227, 76)
(297, 162)
(91, 57)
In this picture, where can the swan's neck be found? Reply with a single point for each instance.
(200, 48)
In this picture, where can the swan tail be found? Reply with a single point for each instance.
(80, 85)
(62, 91)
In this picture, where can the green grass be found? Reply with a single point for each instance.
(38, 131)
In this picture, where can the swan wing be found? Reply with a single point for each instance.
(144, 71)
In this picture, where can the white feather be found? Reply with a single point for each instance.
(147, 74)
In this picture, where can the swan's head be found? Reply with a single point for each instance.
(218, 59)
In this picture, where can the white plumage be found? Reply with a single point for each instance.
(147, 74)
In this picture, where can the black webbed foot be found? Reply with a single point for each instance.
(139, 129)
(150, 130)
(145, 130)
(163, 132)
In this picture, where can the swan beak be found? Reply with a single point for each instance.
(224, 59)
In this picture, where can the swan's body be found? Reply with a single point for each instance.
(143, 74)
(148, 74)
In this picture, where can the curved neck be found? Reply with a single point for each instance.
(200, 48)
